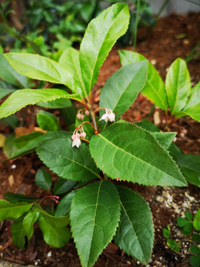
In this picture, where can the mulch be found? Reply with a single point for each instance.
(173, 36)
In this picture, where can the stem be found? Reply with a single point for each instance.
(136, 26)
(157, 16)
(93, 119)
(83, 139)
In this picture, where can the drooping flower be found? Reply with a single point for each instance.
(87, 113)
(108, 116)
(83, 134)
(76, 140)
(80, 116)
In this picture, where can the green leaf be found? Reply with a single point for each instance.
(28, 221)
(165, 139)
(196, 222)
(122, 88)
(192, 107)
(195, 261)
(147, 125)
(42, 68)
(166, 233)
(69, 114)
(43, 179)
(57, 222)
(62, 186)
(66, 161)
(175, 151)
(94, 216)
(196, 237)
(188, 228)
(9, 147)
(154, 88)
(46, 121)
(178, 86)
(13, 211)
(135, 234)
(58, 103)
(11, 121)
(181, 221)
(70, 61)
(63, 207)
(57, 237)
(194, 250)
(18, 234)
(24, 140)
(14, 198)
(100, 36)
(130, 153)
(5, 92)
(9, 75)
(190, 167)
(22, 98)
(189, 216)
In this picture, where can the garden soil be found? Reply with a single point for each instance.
(173, 37)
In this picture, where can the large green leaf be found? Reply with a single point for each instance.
(154, 88)
(24, 140)
(178, 86)
(28, 221)
(165, 139)
(66, 161)
(18, 234)
(121, 90)
(57, 237)
(94, 216)
(9, 75)
(128, 152)
(58, 103)
(192, 107)
(70, 61)
(22, 98)
(5, 92)
(12, 211)
(100, 36)
(42, 68)
(43, 179)
(135, 234)
(47, 121)
(190, 167)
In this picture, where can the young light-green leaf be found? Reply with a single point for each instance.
(130, 153)
(22, 98)
(192, 107)
(70, 61)
(66, 161)
(9, 75)
(154, 88)
(101, 34)
(178, 86)
(57, 237)
(46, 122)
(135, 234)
(121, 90)
(42, 68)
(94, 216)
(12, 211)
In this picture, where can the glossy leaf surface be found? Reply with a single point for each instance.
(12, 211)
(94, 216)
(63, 207)
(135, 234)
(46, 122)
(14, 198)
(178, 86)
(62, 186)
(42, 68)
(100, 36)
(57, 237)
(66, 161)
(130, 153)
(9, 75)
(43, 179)
(154, 88)
(58, 103)
(22, 98)
(192, 107)
(122, 88)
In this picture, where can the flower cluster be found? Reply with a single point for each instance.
(108, 116)
(76, 138)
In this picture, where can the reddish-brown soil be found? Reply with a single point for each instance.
(162, 47)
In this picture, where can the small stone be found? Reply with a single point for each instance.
(49, 254)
